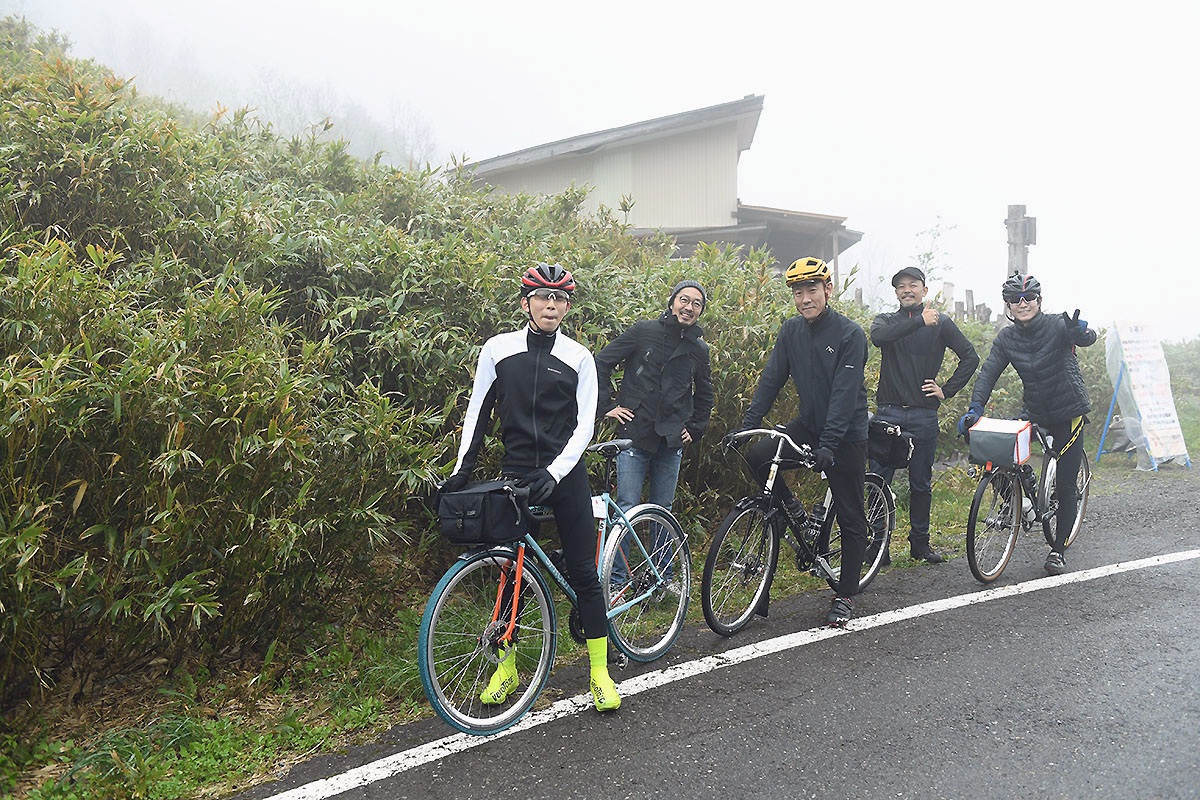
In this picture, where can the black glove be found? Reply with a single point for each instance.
(969, 419)
(540, 484)
(822, 459)
(455, 483)
(1076, 327)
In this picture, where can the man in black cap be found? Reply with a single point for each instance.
(665, 398)
(913, 341)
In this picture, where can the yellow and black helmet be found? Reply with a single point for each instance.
(807, 269)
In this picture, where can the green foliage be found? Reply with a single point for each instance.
(233, 366)
(1183, 360)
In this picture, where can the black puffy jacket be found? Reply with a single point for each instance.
(1042, 351)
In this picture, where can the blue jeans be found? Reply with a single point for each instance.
(922, 423)
(634, 467)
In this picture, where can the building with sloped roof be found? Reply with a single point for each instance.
(680, 172)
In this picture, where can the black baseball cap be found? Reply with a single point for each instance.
(911, 272)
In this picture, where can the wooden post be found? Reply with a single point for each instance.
(1022, 232)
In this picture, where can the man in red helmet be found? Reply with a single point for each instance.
(542, 384)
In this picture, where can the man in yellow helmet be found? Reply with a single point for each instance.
(825, 355)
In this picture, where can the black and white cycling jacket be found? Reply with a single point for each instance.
(545, 390)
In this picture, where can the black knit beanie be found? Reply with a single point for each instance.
(687, 284)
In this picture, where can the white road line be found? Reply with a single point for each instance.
(433, 751)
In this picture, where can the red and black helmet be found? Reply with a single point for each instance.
(547, 276)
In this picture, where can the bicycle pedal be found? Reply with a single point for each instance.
(822, 569)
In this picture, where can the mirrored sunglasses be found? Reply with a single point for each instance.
(1023, 297)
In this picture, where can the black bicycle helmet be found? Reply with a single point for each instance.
(547, 276)
(1017, 285)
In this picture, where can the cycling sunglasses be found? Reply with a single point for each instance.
(554, 295)
(1023, 297)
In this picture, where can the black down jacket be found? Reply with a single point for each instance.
(1042, 351)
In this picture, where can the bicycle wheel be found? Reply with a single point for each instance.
(738, 569)
(649, 602)
(1048, 490)
(880, 508)
(993, 524)
(458, 647)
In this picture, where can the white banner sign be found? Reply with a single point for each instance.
(1138, 371)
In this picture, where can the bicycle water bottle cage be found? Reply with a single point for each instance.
(1028, 481)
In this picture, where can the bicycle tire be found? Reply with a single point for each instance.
(993, 524)
(739, 567)
(457, 648)
(654, 560)
(880, 511)
(1048, 489)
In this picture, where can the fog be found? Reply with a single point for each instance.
(902, 117)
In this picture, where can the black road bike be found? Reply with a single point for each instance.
(744, 553)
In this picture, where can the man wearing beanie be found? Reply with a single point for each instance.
(665, 397)
(913, 341)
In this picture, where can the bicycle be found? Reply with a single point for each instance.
(744, 554)
(496, 597)
(998, 512)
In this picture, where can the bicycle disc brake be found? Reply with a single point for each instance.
(489, 640)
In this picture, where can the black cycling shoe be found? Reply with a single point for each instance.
(841, 611)
(1056, 563)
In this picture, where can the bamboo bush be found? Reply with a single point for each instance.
(234, 365)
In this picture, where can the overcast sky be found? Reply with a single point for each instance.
(900, 116)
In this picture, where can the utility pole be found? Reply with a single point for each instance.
(1022, 232)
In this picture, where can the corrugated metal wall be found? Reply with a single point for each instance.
(684, 181)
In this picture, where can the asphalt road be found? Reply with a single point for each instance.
(1086, 686)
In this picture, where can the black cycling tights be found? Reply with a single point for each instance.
(1070, 459)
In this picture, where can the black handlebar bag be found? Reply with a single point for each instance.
(492, 512)
(888, 444)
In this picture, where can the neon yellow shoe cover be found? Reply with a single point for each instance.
(504, 680)
(604, 691)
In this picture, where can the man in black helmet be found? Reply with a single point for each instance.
(665, 398)
(1041, 348)
(913, 342)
